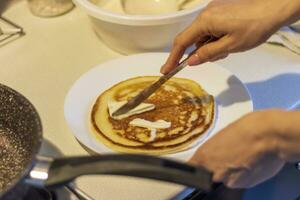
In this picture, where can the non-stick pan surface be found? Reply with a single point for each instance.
(20, 137)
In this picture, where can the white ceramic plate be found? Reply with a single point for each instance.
(232, 98)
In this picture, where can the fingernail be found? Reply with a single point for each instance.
(194, 60)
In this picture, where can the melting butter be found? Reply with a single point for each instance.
(152, 126)
(115, 105)
(159, 124)
(153, 132)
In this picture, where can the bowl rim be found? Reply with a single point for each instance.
(142, 20)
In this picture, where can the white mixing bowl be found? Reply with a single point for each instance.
(130, 34)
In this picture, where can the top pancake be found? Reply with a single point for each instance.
(180, 101)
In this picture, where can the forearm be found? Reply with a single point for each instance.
(288, 136)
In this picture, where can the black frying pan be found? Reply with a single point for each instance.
(20, 141)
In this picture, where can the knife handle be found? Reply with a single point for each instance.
(177, 69)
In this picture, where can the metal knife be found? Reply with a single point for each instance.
(142, 96)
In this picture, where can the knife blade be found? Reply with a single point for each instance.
(143, 95)
(148, 91)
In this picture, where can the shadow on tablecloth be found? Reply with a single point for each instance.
(282, 91)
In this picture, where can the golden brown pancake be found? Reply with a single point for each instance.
(188, 107)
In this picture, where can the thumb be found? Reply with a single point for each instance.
(197, 159)
(192, 161)
(211, 51)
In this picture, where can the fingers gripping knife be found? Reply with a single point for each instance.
(142, 96)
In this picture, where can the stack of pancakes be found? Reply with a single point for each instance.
(180, 101)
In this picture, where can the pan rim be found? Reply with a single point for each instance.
(36, 148)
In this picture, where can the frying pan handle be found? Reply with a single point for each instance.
(64, 170)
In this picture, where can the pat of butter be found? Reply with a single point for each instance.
(115, 105)
(152, 134)
(159, 124)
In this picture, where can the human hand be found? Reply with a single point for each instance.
(246, 152)
(236, 25)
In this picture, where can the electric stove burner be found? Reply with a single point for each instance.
(25, 192)
(220, 192)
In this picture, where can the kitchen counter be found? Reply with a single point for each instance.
(44, 64)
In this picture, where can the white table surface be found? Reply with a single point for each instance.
(44, 63)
